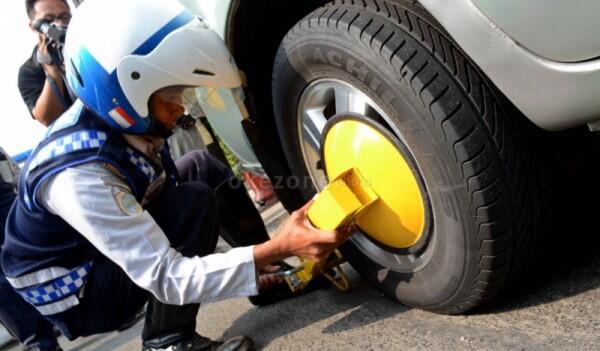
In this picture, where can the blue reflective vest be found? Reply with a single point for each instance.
(43, 257)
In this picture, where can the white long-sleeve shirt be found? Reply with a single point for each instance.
(100, 206)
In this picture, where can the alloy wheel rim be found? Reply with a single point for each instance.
(320, 100)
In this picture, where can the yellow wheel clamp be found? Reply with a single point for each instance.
(372, 187)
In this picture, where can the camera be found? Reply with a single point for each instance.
(55, 37)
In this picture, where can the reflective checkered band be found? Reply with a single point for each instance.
(141, 164)
(37, 277)
(59, 306)
(81, 140)
(57, 289)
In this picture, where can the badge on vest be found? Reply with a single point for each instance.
(127, 202)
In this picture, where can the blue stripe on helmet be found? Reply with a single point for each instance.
(180, 20)
(101, 96)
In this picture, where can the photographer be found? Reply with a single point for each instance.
(41, 81)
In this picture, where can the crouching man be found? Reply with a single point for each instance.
(105, 221)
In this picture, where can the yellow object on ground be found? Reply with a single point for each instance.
(299, 277)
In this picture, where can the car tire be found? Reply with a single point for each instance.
(467, 142)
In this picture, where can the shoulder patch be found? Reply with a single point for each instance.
(127, 202)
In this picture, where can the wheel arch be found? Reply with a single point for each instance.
(253, 39)
(253, 36)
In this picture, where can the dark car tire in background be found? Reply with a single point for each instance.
(391, 61)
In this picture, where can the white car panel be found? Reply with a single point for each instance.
(558, 30)
(551, 94)
(214, 12)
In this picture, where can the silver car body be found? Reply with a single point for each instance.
(542, 54)
(214, 12)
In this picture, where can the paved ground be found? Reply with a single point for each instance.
(562, 312)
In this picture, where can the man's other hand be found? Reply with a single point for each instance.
(299, 238)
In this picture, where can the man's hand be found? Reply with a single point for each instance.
(46, 55)
(299, 238)
(48, 106)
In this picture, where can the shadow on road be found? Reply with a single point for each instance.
(568, 260)
(361, 306)
(573, 276)
(110, 341)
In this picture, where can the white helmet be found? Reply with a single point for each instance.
(119, 52)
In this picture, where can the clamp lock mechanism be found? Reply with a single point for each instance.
(336, 206)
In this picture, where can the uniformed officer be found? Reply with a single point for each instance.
(105, 220)
(24, 322)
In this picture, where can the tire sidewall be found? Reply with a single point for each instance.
(324, 54)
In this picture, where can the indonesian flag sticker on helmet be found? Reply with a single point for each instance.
(121, 117)
(115, 65)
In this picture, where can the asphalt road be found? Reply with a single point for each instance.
(560, 312)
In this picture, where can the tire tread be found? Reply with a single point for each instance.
(487, 149)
